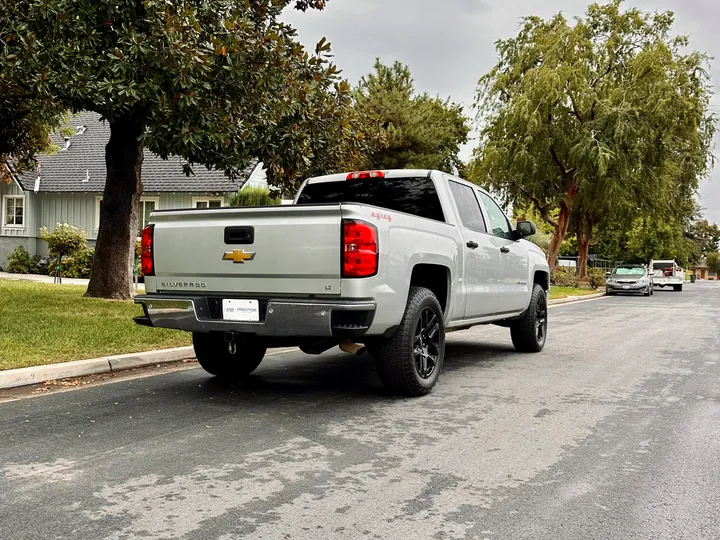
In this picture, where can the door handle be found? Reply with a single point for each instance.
(505, 249)
(473, 245)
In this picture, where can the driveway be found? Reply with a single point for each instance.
(611, 432)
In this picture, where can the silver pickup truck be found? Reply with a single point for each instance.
(376, 261)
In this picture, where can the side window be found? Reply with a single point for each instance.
(499, 224)
(470, 213)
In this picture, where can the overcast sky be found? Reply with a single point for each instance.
(449, 44)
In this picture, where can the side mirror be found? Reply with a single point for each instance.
(608, 274)
(525, 229)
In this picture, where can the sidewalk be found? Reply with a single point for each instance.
(49, 279)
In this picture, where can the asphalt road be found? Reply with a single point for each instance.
(610, 433)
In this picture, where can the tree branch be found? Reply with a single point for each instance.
(565, 172)
(607, 72)
(544, 210)
(575, 111)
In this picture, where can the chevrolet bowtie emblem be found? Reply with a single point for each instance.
(238, 256)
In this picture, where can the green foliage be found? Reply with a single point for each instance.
(596, 121)
(564, 276)
(254, 196)
(657, 239)
(65, 240)
(408, 130)
(215, 82)
(21, 262)
(706, 238)
(79, 265)
(713, 262)
(596, 276)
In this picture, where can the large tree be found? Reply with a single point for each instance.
(219, 83)
(713, 262)
(587, 120)
(409, 130)
(25, 127)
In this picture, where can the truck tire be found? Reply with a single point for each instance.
(213, 355)
(409, 363)
(530, 331)
(677, 288)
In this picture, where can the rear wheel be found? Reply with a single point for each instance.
(215, 356)
(530, 331)
(677, 288)
(409, 363)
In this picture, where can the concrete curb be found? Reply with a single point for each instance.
(33, 375)
(13, 378)
(571, 299)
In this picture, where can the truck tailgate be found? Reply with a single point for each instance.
(263, 251)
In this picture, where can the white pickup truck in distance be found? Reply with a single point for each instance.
(667, 274)
(386, 259)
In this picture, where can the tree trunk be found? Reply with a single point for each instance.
(583, 242)
(112, 275)
(561, 228)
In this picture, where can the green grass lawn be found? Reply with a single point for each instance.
(43, 324)
(556, 293)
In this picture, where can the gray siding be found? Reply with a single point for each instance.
(77, 209)
(80, 209)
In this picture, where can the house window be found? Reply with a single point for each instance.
(147, 206)
(207, 202)
(14, 211)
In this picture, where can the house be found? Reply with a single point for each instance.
(67, 187)
(702, 271)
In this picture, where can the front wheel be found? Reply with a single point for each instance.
(409, 363)
(216, 357)
(530, 331)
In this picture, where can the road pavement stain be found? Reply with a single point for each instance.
(158, 507)
(60, 470)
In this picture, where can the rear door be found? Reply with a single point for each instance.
(264, 250)
(481, 259)
(513, 286)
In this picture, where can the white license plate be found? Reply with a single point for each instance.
(626, 286)
(241, 310)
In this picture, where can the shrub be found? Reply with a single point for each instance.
(65, 240)
(564, 276)
(254, 196)
(596, 277)
(79, 265)
(138, 265)
(21, 262)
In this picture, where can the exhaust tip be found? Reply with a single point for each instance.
(353, 348)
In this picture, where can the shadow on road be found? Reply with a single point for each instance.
(332, 375)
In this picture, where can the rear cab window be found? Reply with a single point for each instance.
(413, 195)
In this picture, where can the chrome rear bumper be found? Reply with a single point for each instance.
(278, 317)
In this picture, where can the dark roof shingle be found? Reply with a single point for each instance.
(81, 168)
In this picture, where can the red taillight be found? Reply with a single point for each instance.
(147, 265)
(360, 249)
(364, 175)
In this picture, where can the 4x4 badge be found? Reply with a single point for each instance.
(238, 256)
